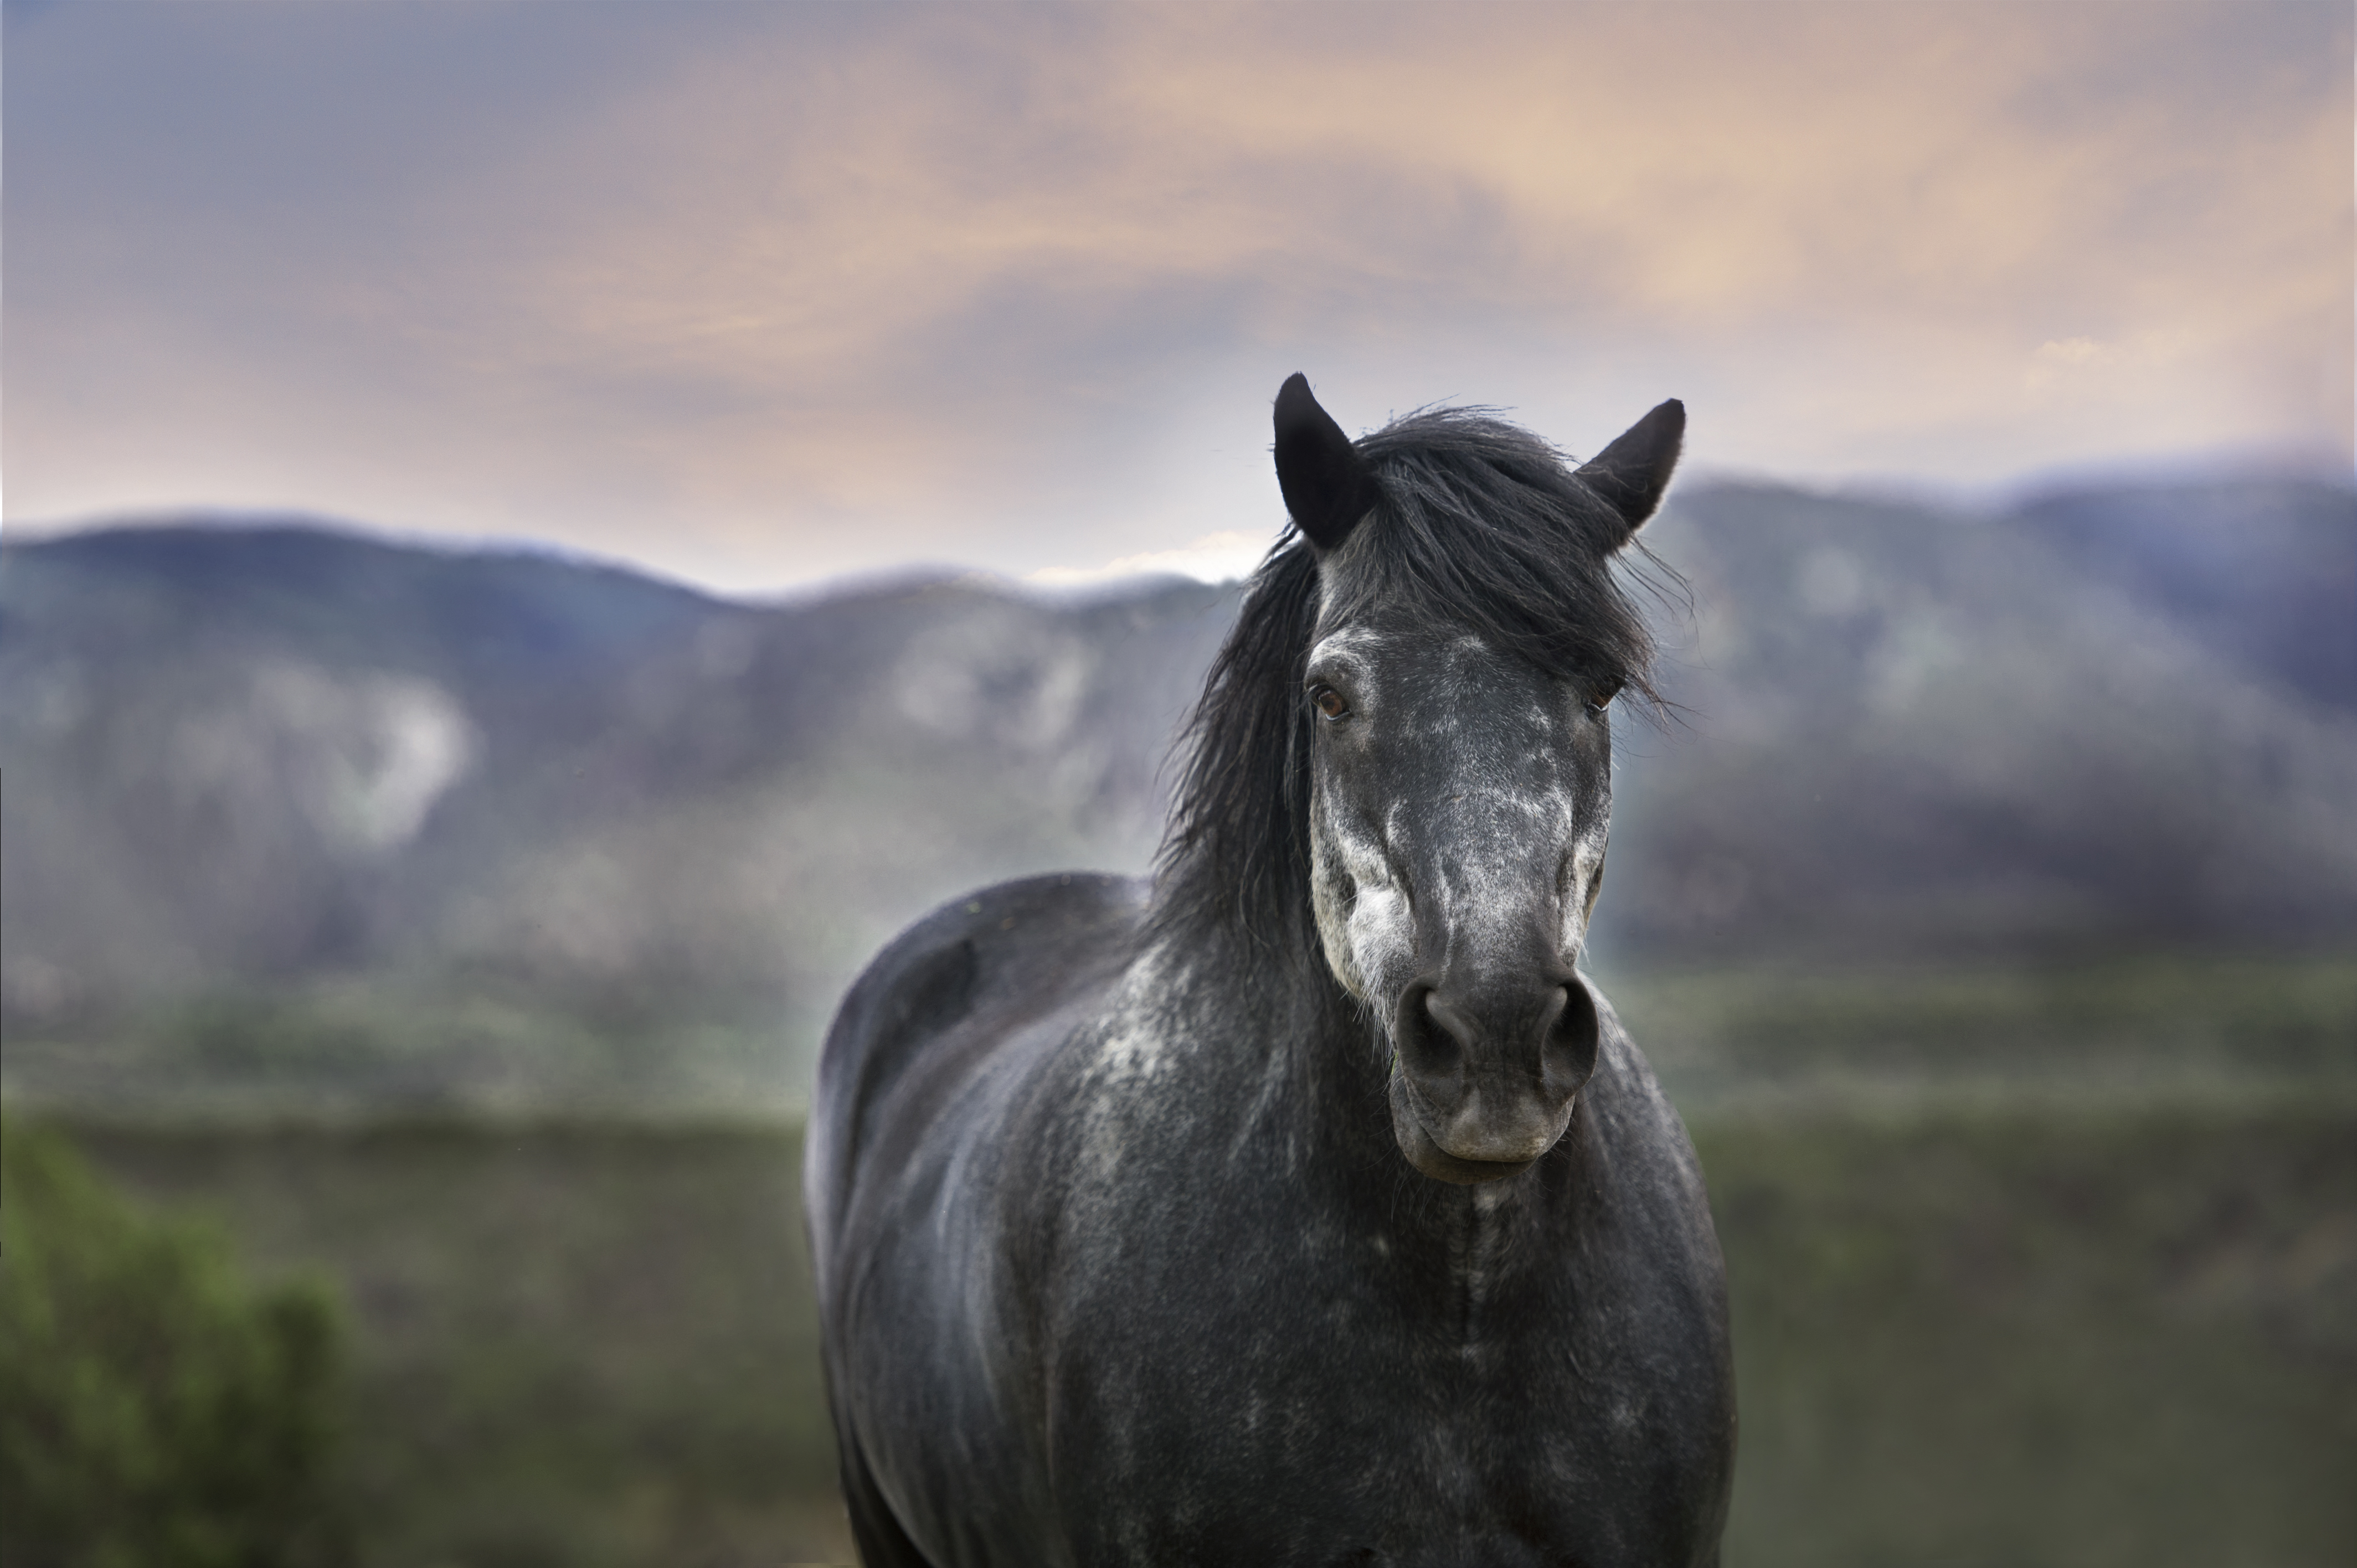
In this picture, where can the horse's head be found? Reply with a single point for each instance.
(1468, 640)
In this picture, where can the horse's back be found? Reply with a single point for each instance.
(969, 973)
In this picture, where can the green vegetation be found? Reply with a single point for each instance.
(2057, 1334)
(2132, 1027)
(2125, 1026)
(154, 1408)
(2026, 1337)
(581, 1344)
(366, 1048)
(2028, 1267)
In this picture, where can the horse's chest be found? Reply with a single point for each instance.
(1327, 1396)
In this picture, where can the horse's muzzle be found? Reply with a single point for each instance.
(1485, 1080)
(1425, 1154)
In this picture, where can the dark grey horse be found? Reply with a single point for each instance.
(1307, 1205)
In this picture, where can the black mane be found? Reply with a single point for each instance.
(1479, 524)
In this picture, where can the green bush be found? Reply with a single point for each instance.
(154, 1409)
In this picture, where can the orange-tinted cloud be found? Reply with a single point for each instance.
(794, 290)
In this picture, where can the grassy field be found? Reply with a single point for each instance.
(2027, 1268)
(2060, 1336)
(2130, 1026)
(2046, 1337)
(589, 1344)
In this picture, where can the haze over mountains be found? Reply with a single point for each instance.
(477, 793)
(2112, 717)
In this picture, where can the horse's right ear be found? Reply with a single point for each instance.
(1634, 470)
(1327, 487)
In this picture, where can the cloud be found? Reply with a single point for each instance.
(1227, 556)
(758, 292)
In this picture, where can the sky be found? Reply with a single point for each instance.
(757, 295)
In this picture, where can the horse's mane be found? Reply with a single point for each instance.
(1481, 524)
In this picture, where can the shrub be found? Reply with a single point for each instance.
(154, 1409)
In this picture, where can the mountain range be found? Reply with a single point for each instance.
(274, 759)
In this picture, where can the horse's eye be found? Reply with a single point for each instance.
(1330, 702)
(1600, 698)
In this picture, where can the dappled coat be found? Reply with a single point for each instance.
(1306, 1205)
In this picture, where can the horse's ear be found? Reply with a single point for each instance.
(1326, 489)
(1634, 470)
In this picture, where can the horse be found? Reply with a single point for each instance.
(1306, 1204)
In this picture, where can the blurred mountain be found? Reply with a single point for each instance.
(257, 757)
(2110, 718)
(2262, 572)
(274, 759)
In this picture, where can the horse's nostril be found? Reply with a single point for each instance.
(1428, 1042)
(1568, 1056)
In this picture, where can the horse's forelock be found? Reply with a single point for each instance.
(1488, 528)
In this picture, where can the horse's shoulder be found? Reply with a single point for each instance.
(1650, 1145)
(931, 1003)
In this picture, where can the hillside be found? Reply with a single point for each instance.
(507, 826)
(2106, 719)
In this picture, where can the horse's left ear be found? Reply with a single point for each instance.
(1326, 487)
(1634, 470)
